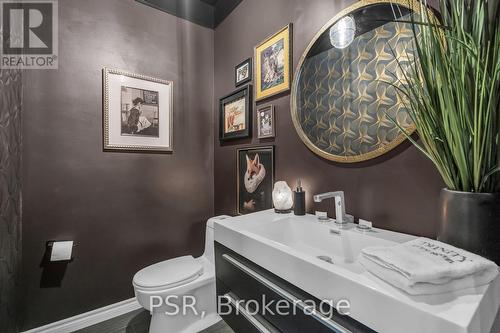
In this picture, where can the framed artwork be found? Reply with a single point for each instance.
(265, 122)
(273, 59)
(255, 179)
(137, 112)
(243, 72)
(235, 115)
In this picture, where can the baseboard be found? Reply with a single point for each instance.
(89, 318)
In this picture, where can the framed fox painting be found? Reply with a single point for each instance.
(255, 179)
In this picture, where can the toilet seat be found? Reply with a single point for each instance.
(168, 274)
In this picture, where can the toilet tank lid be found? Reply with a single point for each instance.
(211, 221)
(169, 273)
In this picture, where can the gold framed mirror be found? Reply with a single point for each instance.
(342, 100)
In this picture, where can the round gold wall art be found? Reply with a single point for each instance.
(343, 104)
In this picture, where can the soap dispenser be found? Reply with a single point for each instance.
(299, 207)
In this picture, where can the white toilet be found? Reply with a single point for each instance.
(181, 280)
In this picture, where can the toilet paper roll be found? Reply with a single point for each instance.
(61, 251)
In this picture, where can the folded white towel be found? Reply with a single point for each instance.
(425, 288)
(425, 266)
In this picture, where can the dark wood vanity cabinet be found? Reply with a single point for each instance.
(243, 285)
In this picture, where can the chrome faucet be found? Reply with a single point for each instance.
(340, 215)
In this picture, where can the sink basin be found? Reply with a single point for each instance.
(320, 239)
(321, 259)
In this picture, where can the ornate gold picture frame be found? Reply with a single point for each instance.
(137, 112)
(273, 58)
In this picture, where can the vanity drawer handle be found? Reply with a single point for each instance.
(255, 323)
(286, 295)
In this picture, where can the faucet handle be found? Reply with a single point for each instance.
(364, 225)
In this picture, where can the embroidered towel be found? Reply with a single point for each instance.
(425, 266)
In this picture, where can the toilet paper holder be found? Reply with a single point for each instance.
(60, 255)
(51, 243)
(53, 272)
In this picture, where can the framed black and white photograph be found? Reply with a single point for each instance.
(137, 112)
(255, 179)
(243, 72)
(235, 115)
(265, 122)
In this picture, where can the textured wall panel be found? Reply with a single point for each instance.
(10, 196)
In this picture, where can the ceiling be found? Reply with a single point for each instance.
(208, 13)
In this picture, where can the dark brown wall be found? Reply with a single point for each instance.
(10, 197)
(398, 191)
(123, 210)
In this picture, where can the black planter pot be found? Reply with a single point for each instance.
(471, 221)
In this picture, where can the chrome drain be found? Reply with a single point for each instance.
(326, 258)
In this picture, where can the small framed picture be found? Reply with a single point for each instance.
(235, 115)
(265, 122)
(255, 179)
(243, 72)
(137, 112)
(273, 58)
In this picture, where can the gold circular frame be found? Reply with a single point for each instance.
(413, 5)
